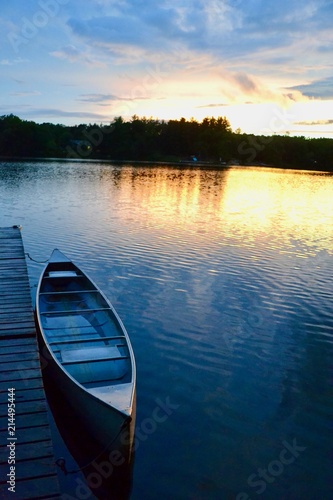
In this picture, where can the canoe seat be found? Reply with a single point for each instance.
(86, 354)
(95, 364)
(62, 274)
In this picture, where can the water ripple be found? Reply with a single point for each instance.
(224, 282)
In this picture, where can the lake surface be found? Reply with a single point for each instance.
(224, 281)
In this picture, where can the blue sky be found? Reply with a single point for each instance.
(265, 65)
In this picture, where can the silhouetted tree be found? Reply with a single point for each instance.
(153, 140)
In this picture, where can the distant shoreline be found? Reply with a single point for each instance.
(201, 164)
(210, 143)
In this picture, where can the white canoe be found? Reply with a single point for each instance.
(87, 349)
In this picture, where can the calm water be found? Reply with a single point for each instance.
(224, 282)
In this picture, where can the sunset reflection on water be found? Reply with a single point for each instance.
(223, 278)
(242, 203)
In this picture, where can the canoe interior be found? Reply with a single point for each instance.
(82, 329)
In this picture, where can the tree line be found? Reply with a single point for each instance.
(146, 139)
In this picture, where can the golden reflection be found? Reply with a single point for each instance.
(167, 196)
(250, 204)
(280, 203)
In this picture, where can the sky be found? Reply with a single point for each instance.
(266, 66)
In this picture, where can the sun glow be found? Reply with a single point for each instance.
(305, 117)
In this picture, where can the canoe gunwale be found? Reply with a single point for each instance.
(51, 345)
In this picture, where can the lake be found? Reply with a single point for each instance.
(223, 279)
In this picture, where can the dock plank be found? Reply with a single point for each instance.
(28, 420)
(43, 449)
(29, 406)
(36, 472)
(31, 488)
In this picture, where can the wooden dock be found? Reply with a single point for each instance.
(25, 436)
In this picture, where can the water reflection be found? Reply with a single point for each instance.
(89, 471)
(290, 205)
(223, 279)
(251, 205)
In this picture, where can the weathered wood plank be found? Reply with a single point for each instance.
(17, 319)
(6, 236)
(19, 375)
(7, 310)
(25, 364)
(10, 322)
(34, 434)
(32, 489)
(12, 358)
(24, 325)
(21, 345)
(24, 396)
(9, 242)
(15, 299)
(15, 263)
(15, 252)
(14, 293)
(9, 285)
(36, 475)
(29, 420)
(7, 345)
(26, 451)
(9, 280)
(26, 333)
(16, 307)
(15, 302)
(16, 316)
(19, 324)
(27, 470)
(25, 382)
(24, 407)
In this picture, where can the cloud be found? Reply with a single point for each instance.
(59, 113)
(242, 87)
(103, 99)
(220, 105)
(27, 93)
(320, 89)
(26, 111)
(218, 52)
(13, 62)
(264, 18)
(246, 83)
(315, 122)
(153, 26)
(97, 98)
(72, 54)
(132, 30)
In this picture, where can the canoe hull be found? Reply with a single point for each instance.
(91, 402)
(105, 425)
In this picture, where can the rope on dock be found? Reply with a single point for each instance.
(38, 261)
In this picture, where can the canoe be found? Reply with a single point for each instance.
(87, 349)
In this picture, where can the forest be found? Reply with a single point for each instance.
(211, 141)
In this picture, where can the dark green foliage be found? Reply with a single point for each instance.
(148, 139)
(20, 138)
